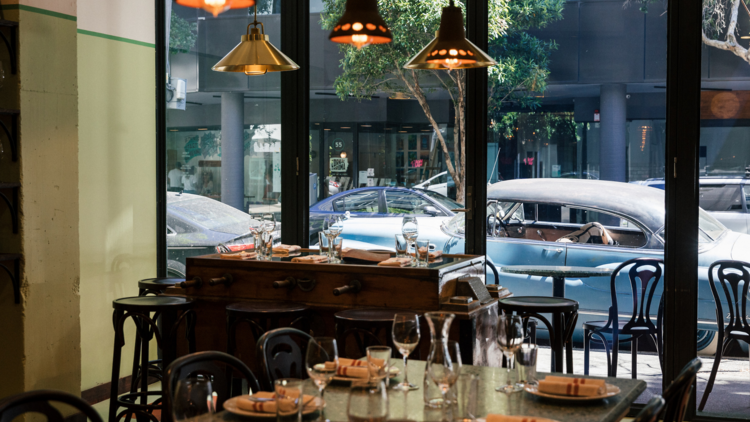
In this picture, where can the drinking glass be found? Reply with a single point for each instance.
(269, 223)
(422, 252)
(509, 338)
(332, 227)
(410, 230)
(526, 364)
(443, 370)
(368, 402)
(193, 397)
(467, 390)
(337, 247)
(323, 243)
(267, 245)
(401, 246)
(405, 335)
(256, 227)
(379, 362)
(322, 361)
(289, 399)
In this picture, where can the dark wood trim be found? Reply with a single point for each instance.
(101, 392)
(161, 138)
(476, 132)
(295, 123)
(683, 140)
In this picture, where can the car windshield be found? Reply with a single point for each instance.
(709, 226)
(721, 197)
(443, 200)
(456, 226)
(212, 214)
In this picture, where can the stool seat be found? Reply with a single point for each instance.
(151, 303)
(538, 304)
(372, 315)
(158, 283)
(257, 307)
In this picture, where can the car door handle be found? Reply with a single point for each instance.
(460, 210)
(556, 250)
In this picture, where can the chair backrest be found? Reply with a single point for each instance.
(643, 276)
(677, 395)
(731, 274)
(39, 402)
(282, 353)
(206, 364)
(650, 412)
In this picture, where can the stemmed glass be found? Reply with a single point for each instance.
(410, 231)
(322, 362)
(256, 228)
(405, 334)
(443, 369)
(268, 225)
(509, 338)
(193, 397)
(332, 228)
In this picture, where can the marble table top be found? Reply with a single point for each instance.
(410, 405)
(556, 271)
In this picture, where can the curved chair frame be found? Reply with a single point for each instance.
(677, 395)
(730, 275)
(38, 402)
(652, 410)
(277, 363)
(639, 325)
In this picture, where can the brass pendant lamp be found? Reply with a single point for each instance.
(216, 6)
(450, 49)
(361, 25)
(255, 55)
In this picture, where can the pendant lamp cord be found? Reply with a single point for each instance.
(255, 21)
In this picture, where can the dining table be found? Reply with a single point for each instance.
(558, 274)
(409, 405)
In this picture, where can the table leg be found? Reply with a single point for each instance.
(558, 286)
(558, 326)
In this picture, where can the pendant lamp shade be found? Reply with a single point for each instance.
(361, 25)
(450, 49)
(255, 55)
(216, 6)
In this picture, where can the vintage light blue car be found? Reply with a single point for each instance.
(526, 218)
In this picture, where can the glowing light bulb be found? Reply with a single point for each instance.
(452, 63)
(215, 6)
(360, 40)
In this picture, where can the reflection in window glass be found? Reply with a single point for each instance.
(403, 203)
(366, 201)
(721, 197)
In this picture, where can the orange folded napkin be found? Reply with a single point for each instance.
(581, 381)
(346, 362)
(354, 371)
(570, 388)
(286, 249)
(364, 255)
(506, 418)
(311, 259)
(268, 403)
(395, 262)
(242, 255)
(433, 255)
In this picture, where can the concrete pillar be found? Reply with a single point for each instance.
(233, 149)
(613, 109)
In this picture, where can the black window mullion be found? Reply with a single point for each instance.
(295, 99)
(161, 137)
(681, 180)
(476, 131)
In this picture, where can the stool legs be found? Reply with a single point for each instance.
(116, 317)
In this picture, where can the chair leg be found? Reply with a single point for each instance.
(714, 369)
(115, 370)
(586, 351)
(634, 355)
(615, 353)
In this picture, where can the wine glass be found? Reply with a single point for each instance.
(405, 334)
(410, 231)
(322, 362)
(269, 223)
(256, 227)
(193, 397)
(332, 227)
(509, 338)
(443, 368)
(368, 402)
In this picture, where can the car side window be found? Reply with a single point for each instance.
(721, 197)
(746, 188)
(601, 228)
(405, 203)
(365, 201)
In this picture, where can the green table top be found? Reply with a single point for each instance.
(410, 406)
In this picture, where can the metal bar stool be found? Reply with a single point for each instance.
(157, 285)
(564, 314)
(262, 316)
(173, 310)
(369, 327)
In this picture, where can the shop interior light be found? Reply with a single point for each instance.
(216, 6)
(361, 25)
(255, 55)
(399, 96)
(450, 49)
(343, 154)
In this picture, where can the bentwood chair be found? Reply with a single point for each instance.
(677, 394)
(39, 402)
(650, 412)
(735, 280)
(282, 354)
(644, 275)
(217, 366)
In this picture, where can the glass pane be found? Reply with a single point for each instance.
(577, 102)
(376, 126)
(724, 222)
(223, 138)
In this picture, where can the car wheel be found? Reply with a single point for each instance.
(176, 269)
(707, 342)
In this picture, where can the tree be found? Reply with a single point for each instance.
(522, 61)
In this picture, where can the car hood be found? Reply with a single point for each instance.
(741, 248)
